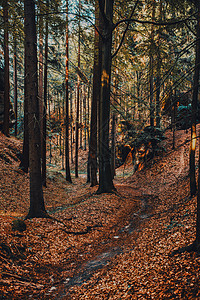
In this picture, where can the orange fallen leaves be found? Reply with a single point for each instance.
(119, 244)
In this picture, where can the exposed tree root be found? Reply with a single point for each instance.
(190, 248)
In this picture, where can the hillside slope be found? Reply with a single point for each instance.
(101, 246)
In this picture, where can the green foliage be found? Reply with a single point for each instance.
(150, 135)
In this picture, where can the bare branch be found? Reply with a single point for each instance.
(169, 23)
(125, 31)
(188, 26)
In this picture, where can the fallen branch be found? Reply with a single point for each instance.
(189, 248)
(88, 229)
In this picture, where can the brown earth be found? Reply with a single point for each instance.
(110, 246)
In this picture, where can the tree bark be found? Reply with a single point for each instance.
(40, 87)
(71, 128)
(174, 106)
(44, 106)
(105, 177)
(151, 93)
(196, 95)
(197, 241)
(24, 164)
(6, 71)
(85, 118)
(158, 77)
(113, 142)
(92, 157)
(15, 84)
(193, 186)
(138, 89)
(151, 71)
(81, 117)
(67, 167)
(77, 128)
(37, 208)
(78, 103)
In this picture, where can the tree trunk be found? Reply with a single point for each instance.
(85, 118)
(151, 93)
(71, 128)
(15, 84)
(92, 157)
(113, 142)
(105, 177)
(67, 167)
(81, 117)
(88, 113)
(197, 241)
(6, 71)
(151, 66)
(196, 84)
(158, 80)
(138, 89)
(193, 187)
(77, 104)
(37, 208)
(44, 114)
(24, 164)
(174, 121)
(40, 87)
(77, 129)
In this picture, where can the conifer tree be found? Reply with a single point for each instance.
(37, 208)
(6, 71)
(105, 177)
(68, 176)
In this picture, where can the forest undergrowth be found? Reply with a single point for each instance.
(109, 246)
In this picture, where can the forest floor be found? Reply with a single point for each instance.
(109, 246)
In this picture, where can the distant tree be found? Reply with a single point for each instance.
(193, 186)
(151, 67)
(78, 95)
(113, 144)
(68, 176)
(193, 136)
(158, 67)
(37, 207)
(41, 62)
(6, 71)
(92, 157)
(40, 83)
(24, 163)
(15, 83)
(44, 103)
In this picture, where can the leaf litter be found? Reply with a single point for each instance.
(110, 246)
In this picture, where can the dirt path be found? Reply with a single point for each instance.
(146, 189)
(113, 240)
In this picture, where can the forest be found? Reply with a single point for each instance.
(99, 149)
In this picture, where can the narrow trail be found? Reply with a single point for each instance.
(117, 242)
(141, 192)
